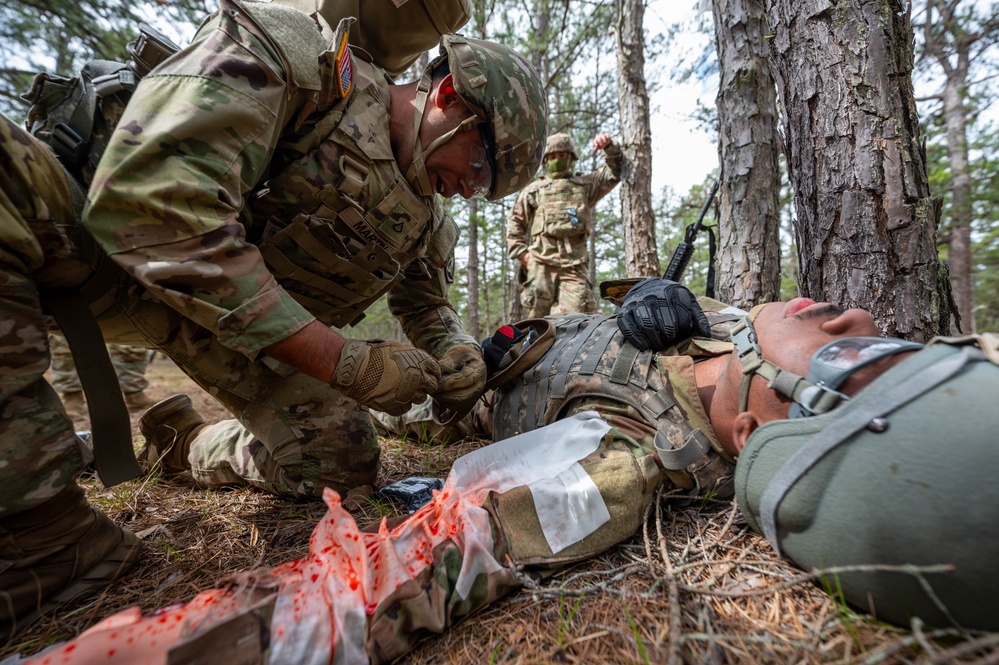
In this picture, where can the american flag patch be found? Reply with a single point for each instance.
(345, 75)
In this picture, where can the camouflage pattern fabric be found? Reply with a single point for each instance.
(129, 363)
(39, 452)
(323, 224)
(556, 290)
(261, 201)
(505, 92)
(287, 157)
(430, 604)
(591, 360)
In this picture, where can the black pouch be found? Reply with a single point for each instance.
(413, 492)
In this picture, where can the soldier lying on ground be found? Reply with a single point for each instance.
(852, 449)
(261, 187)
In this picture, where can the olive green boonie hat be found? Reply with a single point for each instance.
(903, 475)
(506, 94)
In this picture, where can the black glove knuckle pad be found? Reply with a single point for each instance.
(659, 312)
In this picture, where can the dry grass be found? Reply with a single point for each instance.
(696, 587)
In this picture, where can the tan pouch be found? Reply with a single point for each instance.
(626, 485)
(335, 277)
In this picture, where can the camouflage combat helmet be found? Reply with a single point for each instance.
(561, 142)
(509, 102)
(901, 475)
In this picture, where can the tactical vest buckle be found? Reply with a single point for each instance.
(68, 145)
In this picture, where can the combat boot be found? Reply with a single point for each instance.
(137, 400)
(57, 552)
(169, 427)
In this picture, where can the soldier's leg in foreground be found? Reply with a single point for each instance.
(539, 290)
(292, 434)
(307, 436)
(575, 292)
(54, 547)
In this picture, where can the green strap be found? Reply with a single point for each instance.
(109, 421)
(621, 371)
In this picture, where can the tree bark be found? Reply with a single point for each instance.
(637, 216)
(866, 222)
(749, 195)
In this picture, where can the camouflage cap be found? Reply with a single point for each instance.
(506, 93)
(561, 142)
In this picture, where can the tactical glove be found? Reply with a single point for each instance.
(656, 313)
(385, 376)
(463, 378)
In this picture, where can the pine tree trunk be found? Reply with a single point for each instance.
(866, 222)
(749, 195)
(959, 241)
(641, 256)
(950, 33)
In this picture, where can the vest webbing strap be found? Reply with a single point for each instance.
(621, 371)
(568, 355)
(537, 398)
(596, 352)
(110, 424)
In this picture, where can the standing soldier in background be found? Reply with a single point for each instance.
(263, 187)
(129, 363)
(550, 224)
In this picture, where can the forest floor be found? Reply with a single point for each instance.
(697, 586)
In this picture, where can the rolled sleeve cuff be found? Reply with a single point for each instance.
(269, 317)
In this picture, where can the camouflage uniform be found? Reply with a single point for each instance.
(217, 215)
(39, 452)
(129, 363)
(551, 223)
(644, 396)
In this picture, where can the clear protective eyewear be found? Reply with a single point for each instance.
(828, 369)
(837, 361)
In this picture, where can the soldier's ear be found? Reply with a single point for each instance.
(745, 424)
(445, 94)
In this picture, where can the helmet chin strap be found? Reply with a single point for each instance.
(417, 172)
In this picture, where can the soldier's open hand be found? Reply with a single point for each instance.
(384, 375)
(601, 142)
